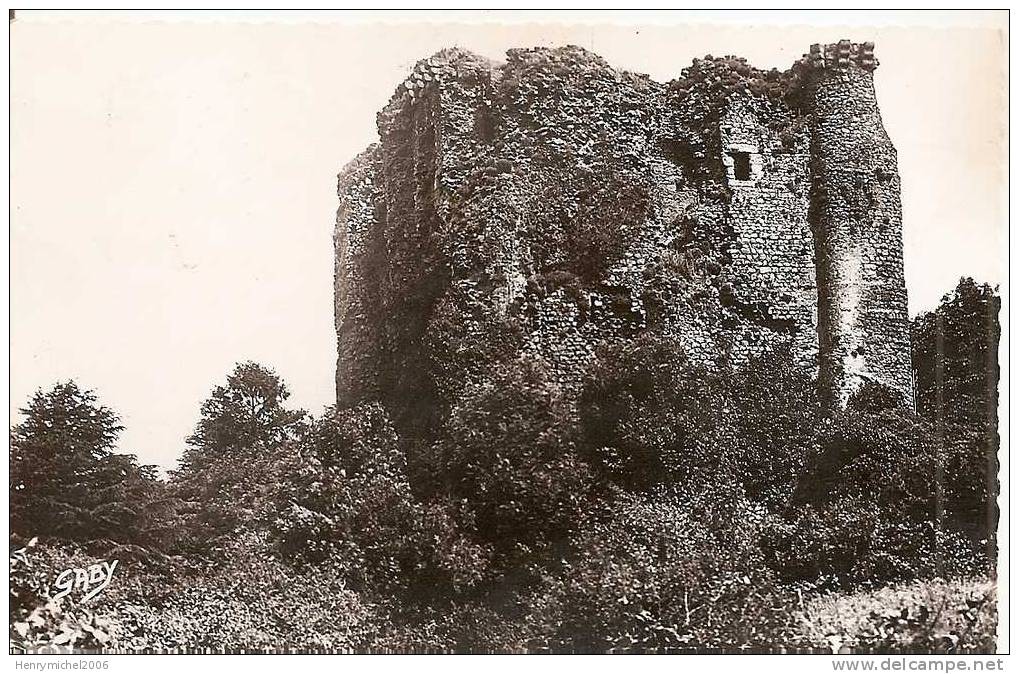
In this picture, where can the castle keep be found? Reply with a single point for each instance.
(541, 206)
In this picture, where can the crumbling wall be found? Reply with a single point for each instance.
(356, 330)
(564, 197)
(744, 152)
(857, 220)
(773, 283)
(544, 206)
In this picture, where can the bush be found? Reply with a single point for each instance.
(247, 599)
(250, 599)
(510, 465)
(611, 211)
(38, 621)
(663, 571)
(582, 222)
(349, 504)
(865, 508)
(647, 415)
(770, 414)
(651, 417)
(852, 542)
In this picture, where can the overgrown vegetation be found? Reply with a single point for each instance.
(669, 506)
(960, 339)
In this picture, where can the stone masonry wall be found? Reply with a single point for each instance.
(773, 252)
(357, 333)
(857, 220)
(544, 206)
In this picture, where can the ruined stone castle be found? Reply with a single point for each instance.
(541, 206)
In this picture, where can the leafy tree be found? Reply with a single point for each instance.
(65, 479)
(248, 411)
(968, 322)
(349, 504)
(242, 449)
(510, 463)
(961, 337)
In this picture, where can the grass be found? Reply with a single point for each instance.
(929, 616)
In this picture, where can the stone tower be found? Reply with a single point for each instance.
(543, 207)
(856, 217)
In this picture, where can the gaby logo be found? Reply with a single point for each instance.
(91, 580)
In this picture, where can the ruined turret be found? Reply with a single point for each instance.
(856, 217)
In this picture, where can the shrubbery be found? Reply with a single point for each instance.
(669, 505)
(867, 501)
(934, 616)
(349, 503)
(651, 417)
(646, 416)
(37, 620)
(509, 464)
(666, 569)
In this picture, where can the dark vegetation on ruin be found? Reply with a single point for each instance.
(672, 507)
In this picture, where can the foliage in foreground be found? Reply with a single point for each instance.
(673, 506)
(66, 480)
(619, 597)
(933, 616)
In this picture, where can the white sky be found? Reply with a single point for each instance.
(173, 183)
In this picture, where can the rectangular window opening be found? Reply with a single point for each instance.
(741, 165)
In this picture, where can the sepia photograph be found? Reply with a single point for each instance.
(509, 332)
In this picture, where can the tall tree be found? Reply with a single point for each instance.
(65, 479)
(969, 329)
(955, 360)
(247, 412)
(241, 450)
